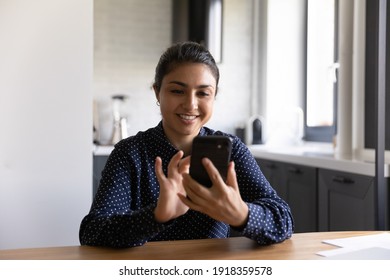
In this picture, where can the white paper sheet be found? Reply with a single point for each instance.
(373, 246)
(373, 253)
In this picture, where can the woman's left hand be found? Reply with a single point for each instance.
(222, 201)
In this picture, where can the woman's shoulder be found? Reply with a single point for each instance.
(139, 141)
(237, 143)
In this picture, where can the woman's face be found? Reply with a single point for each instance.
(186, 100)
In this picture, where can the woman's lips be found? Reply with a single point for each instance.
(188, 117)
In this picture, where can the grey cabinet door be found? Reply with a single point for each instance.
(297, 185)
(301, 185)
(274, 172)
(346, 201)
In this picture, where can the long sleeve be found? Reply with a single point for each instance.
(116, 219)
(270, 219)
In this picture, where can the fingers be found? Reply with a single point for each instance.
(231, 176)
(193, 188)
(184, 165)
(174, 163)
(173, 166)
(222, 201)
(158, 169)
(194, 199)
(195, 194)
(213, 172)
(188, 202)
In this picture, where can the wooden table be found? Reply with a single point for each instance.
(302, 246)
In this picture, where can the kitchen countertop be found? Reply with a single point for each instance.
(102, 150)
(320, 155)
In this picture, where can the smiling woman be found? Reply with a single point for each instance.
(146, 192)
(186, 106)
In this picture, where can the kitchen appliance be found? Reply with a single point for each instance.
(254, 132)
(120, 130)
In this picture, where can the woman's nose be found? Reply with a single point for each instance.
(190, 102)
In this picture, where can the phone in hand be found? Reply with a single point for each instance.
(218, 149)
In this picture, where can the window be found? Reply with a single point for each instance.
(321, 70)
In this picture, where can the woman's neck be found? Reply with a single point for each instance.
(184, 145)
(180, 141)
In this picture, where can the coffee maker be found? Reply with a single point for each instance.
(119, 131)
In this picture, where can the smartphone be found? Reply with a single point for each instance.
(218, 149)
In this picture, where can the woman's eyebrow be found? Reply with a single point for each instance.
(178, 83)
(185, 85)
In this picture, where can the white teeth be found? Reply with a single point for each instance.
(187, 117)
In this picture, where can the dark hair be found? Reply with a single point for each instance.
(181, 53)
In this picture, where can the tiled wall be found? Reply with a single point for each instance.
(129, 37)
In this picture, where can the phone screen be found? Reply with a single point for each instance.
(216, 148)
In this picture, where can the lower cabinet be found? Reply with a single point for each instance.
(302, 196)
(297, 185)
(347, 201)
(325, 200)
(274, 172)
(98, 164)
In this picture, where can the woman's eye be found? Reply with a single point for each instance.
(177, 91)
(202, 93)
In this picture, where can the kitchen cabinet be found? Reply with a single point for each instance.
(273, 171)
(346, 201)
(297, 185)
(301, 184)
(323, 199)
(99, 161)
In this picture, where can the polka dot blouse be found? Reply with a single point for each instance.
(122, 212)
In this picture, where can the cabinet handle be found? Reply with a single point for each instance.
(294, 170)
(343, 180)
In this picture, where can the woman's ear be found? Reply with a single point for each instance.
(156, 93)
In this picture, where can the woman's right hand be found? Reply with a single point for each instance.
(169, 205)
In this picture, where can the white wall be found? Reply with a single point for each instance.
(45, 121)
(130, 36)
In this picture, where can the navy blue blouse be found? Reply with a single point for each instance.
(122, 212)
